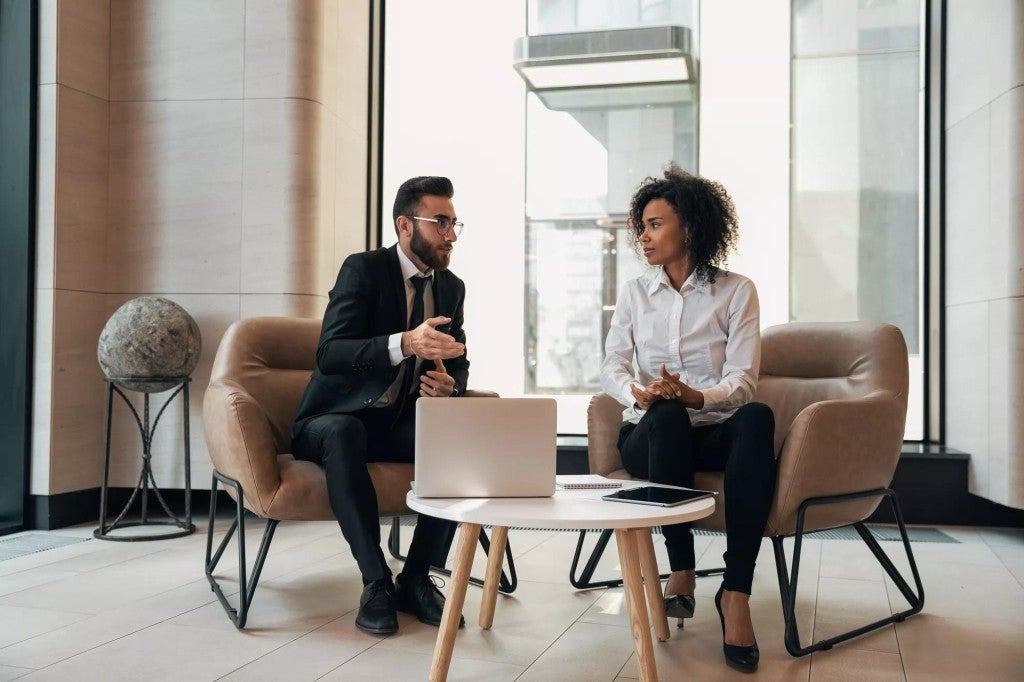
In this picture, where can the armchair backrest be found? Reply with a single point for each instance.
(807, 362)
(839, 393)
(259, 374)
(270, 358)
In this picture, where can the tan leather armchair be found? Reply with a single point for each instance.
(259, 374)
(839, 394)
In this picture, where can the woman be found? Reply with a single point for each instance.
(694, 331)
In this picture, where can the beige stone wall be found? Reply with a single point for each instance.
(209, 151)
(73, 217)
(985, 243)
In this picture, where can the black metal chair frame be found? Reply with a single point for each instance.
(247, 581)
(506, 583)
(787, 579)
(585, 582)
(788, 583)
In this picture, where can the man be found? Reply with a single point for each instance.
(394, 317)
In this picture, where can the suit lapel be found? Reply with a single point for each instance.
(397, 284)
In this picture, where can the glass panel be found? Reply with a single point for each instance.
(856, 220)
(587, 150)
(577, 265)
(584, 161)
(566, 16)
(849, 26)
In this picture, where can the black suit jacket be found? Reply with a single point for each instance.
(367, 305)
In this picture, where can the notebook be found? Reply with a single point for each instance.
(586, 482)
(485, 447)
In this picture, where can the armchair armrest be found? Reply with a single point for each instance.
(604, 419)
(475, 393)
(836, 447)
(241, 443)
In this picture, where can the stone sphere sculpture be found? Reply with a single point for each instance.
(149, 337)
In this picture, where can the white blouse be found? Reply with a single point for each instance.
(709, 333)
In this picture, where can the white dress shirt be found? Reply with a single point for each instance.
(409, 270)
(708, 333)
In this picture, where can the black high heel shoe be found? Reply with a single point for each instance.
(743, 658)
(680, 606)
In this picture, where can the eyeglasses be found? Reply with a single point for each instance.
(444, 224)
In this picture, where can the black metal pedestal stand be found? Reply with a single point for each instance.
(146, 481)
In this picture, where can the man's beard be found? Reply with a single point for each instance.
(427, 252)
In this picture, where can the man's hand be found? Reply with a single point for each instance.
(669, 387)
(643, 397)
(428, 343)
(437, 384)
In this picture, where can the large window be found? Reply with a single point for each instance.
(544, 164)
(856, 221)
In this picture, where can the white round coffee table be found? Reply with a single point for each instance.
(576, 510)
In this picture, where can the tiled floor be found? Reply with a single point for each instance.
(110, 611)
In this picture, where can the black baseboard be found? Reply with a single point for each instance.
(49, 512)
(572, 456)
(931, 482)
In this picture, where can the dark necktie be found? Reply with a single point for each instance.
(415, 320)
(419, 284)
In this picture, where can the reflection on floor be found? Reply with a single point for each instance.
(97, 610)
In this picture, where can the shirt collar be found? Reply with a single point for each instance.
(409, 270)
(660, 279)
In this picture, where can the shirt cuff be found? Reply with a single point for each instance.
(709, 399)
(395, 348)
(627, 394)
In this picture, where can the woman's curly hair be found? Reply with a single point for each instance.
(706, 214)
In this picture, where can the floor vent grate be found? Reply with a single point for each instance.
(30, 543)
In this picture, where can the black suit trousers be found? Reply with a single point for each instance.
(665, 448)
(343, 444)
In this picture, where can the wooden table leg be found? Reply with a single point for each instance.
(633, 584)
(652, 583)
(461, 568)
(495, 558)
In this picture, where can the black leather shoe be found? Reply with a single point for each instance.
(377, 615)
(742, 658)
(418, 595)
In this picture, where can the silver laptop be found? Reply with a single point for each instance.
(485, 447)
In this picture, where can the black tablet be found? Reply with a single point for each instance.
(658, 496)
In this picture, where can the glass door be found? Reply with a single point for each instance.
(17, 234)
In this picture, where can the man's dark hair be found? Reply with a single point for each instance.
(705, 211)
(412, 190)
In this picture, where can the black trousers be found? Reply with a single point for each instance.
(665, 448)
(343, 444)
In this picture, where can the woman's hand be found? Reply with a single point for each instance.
(669, 387)
(643, 397)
